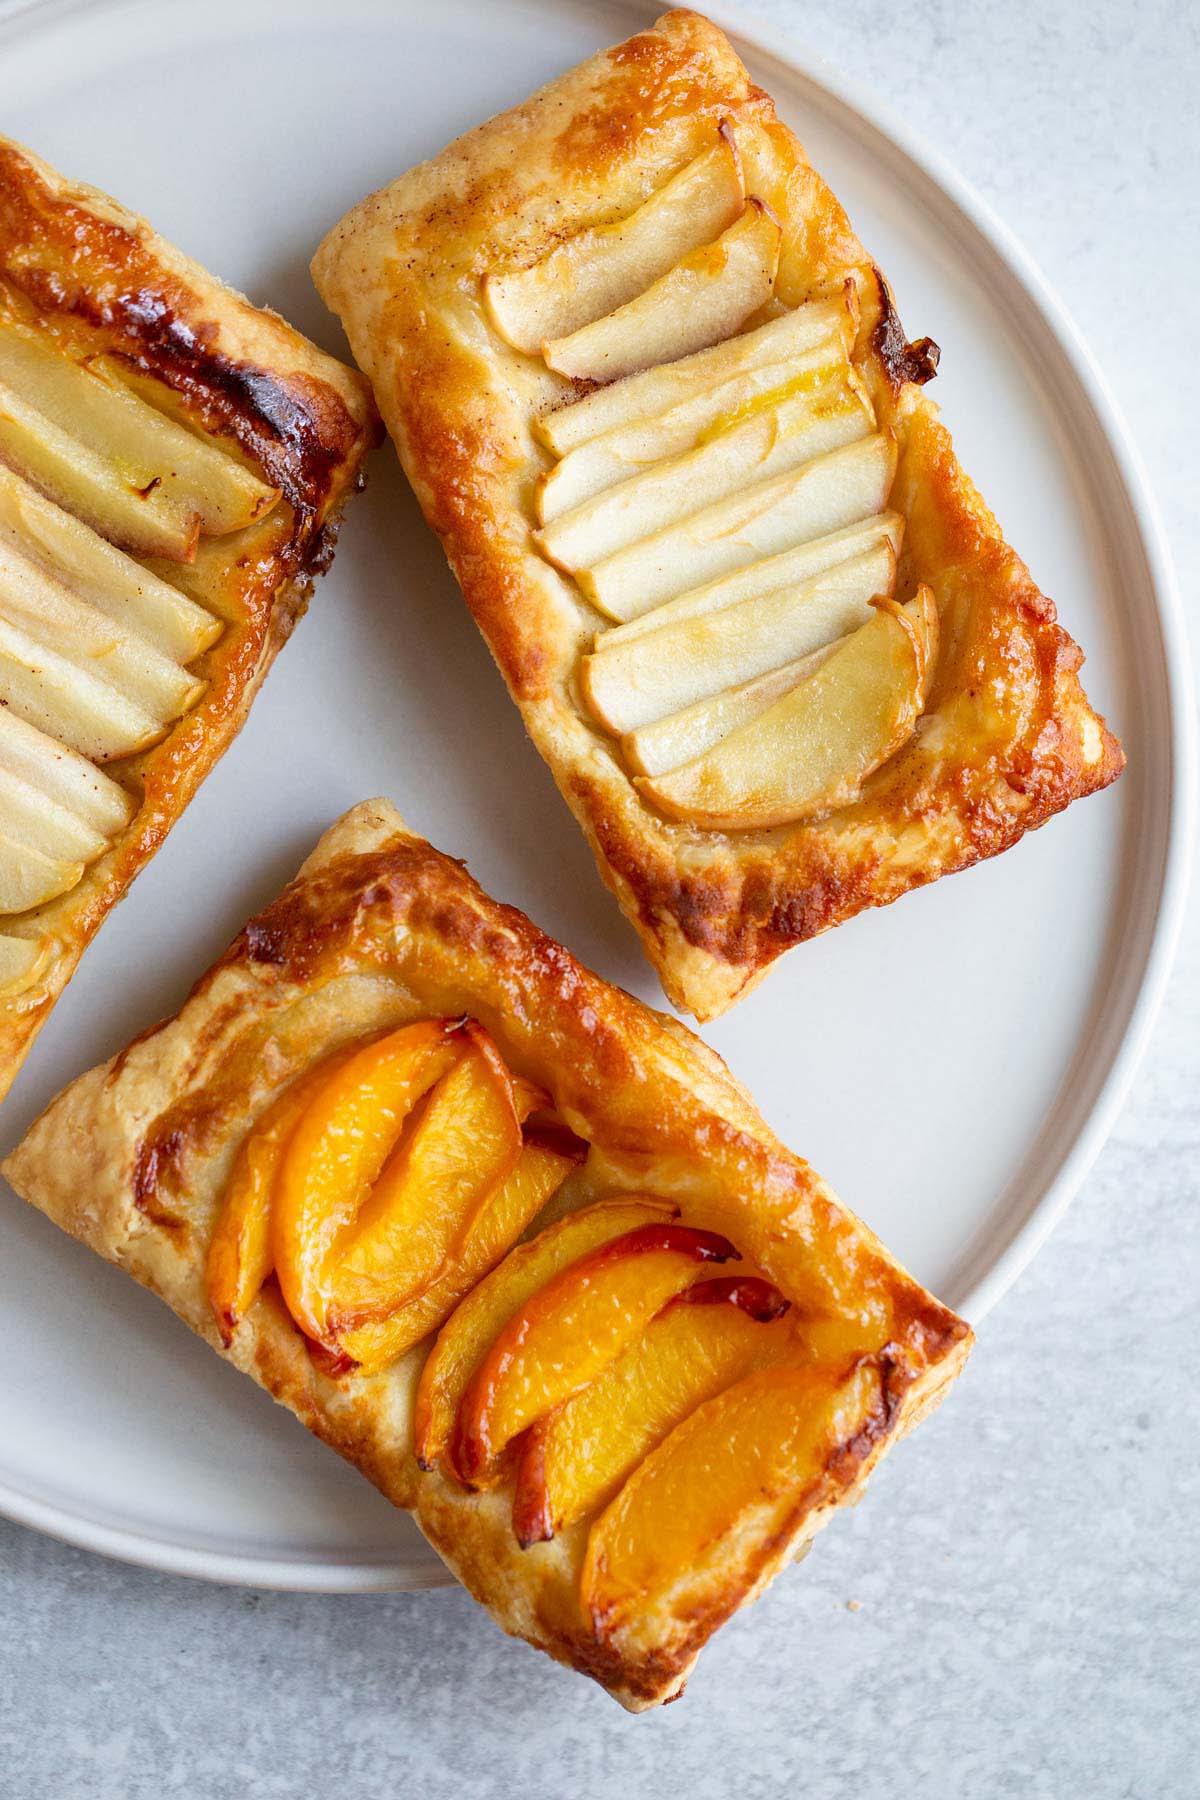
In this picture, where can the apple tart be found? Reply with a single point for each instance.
(516, 1246)
(173, 464)
(655, 398)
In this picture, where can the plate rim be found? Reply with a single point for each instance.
(301, 1574)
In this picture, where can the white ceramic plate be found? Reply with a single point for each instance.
(951, 1064)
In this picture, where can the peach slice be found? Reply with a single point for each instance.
(709, 1512)
(239, 1255)
(466, 1335)
(338, 1150)
(466, 1141)
(705, 1338)
(505, 1213)
(566, 1334)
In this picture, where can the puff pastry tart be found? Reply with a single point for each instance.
(173, 462)
(516, 1246)
(654, 396)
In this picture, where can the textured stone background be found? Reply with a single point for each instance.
(1027, 1570)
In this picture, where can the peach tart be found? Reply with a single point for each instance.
(519, 1248)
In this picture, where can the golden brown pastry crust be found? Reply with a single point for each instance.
(380, 929)
(1008, 738)
(101, 280)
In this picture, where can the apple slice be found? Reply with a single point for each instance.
(239, 1252)
(708, 295)
(65, 779)
(657, 391)
(789, 569)
(466, 1141)
(600, 269)
(635, 683)
(606, 461)
(814, 748)
(563, 1336)
(69, 703)
(27, 878)
(348, 1130)
(28, 817)
(487, 1309)
(505, 1213)
(68, 472)
(100, 574)
(188, 477)
(21, 962)
(32, 599)
(770, 440)
(653, 749)
(708, 1513)
(808, 502)
(712, 1334)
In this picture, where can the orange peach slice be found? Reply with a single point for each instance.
(466, 1335)
(566, 1334)
(705, 1338)
(464, 1144)
(709, 1513)
(337, 1152)
(504, 1214)
(239, 1256)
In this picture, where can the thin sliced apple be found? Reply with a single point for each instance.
(28, 817)
(768, 441)
(66, 779)
(658, 391)
(709, 1511)
(68, 702)
(635, 683)
(334, 1157)
(189, 477)
(707, 296)
(83, 481)
(464, 1144)
(504, 1214)
(21, 962)
(789, 569)
(606, 461)
(813, 749)
(32, 599)
(653, 749)
(808, 502)
(563, 1336)
(239, 1254)
(477, 1322)
(103, 576)
(27, 878)
(712, 1334)
(600, 269)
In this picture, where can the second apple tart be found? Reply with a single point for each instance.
(173, 465)
(654, 396)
